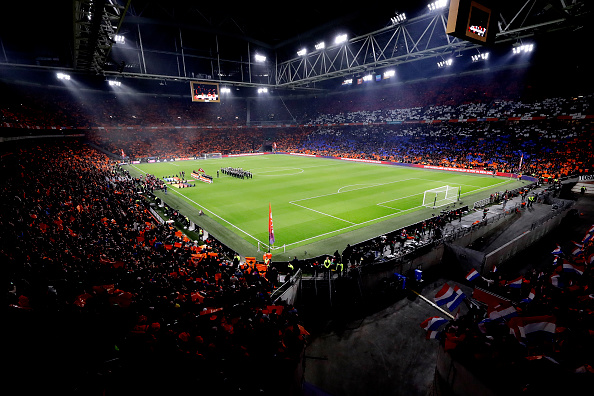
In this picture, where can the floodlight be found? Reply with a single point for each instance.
(389, 73)
(367, 77)
(398, 18)
(480, 57)
(348, 81)
(525, 48)
(118, 38)
(260, 58)
(225, 90)
(302, 52)
(436, 5)
(321, 45)
(341, 38)
(114, 83)
(63, 76)
(262, 90)
(445, 63)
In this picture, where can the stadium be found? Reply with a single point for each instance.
(298, 199)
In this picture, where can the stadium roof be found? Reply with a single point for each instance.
(213, 41)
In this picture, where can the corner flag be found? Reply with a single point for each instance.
(270, 227)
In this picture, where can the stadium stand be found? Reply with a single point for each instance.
(83, 252)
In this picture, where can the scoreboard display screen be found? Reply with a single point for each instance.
(478, 20)
(205, 92)
(472, 20)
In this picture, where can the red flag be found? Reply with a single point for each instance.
(270, 227)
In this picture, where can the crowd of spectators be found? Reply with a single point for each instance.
(496, 108)
(81, 248)
(143, 143)
(546, 148)
(548, 133)
(532, 333)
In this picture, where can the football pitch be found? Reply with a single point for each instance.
(318, 204)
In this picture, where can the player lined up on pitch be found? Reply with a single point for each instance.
(178, 180)
(237, 172)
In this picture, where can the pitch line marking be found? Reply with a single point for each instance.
(322, 213)
(339, 192)
(260, 173)
(345, 228)
(216, 215)
(275, 169)
(351, 185)
(210, 211)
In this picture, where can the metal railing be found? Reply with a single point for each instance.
(281, 292)
(489, 200)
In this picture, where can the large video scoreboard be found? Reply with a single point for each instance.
(472, 20)
(205, 92)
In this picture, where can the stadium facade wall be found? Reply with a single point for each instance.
(523, 241)
(466, 258)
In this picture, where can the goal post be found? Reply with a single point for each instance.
(441, 196)
(212, 155)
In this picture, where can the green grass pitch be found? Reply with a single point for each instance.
(318, 204)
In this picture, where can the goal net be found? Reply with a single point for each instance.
(212, 155)
(440, 196)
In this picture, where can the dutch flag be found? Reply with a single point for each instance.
(503, 311)
(472, 275)
(530, 295)
(433, 323)
(525, 327)
(459, 297)
(515, 283)
(433, 335)
(568, 267)
(577, 251)
(557, 250)
(445, 295)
